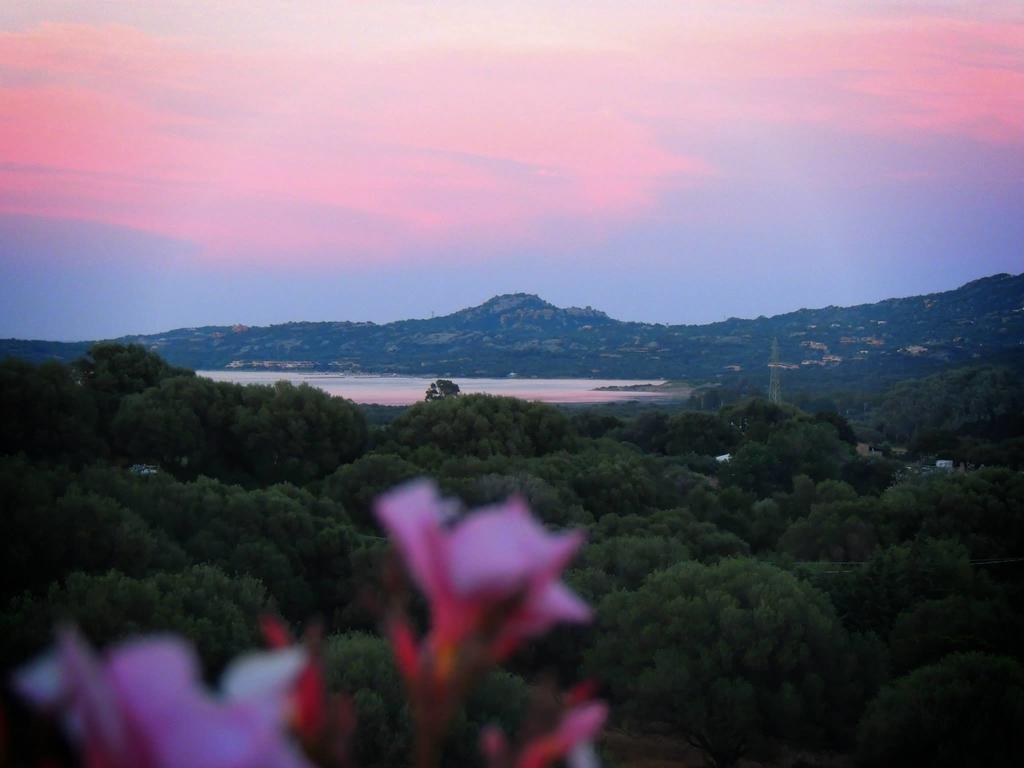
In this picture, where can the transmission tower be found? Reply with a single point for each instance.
(774, 382)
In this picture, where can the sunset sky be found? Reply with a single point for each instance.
(173, 163)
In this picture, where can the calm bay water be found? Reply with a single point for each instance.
(405, 390)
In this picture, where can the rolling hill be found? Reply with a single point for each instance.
(523, 335)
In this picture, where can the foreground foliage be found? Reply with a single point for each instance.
(961, 710)
(731, 653)
(785, 587)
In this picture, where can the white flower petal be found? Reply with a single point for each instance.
(583, 755)
(41, 682)
(262, 674)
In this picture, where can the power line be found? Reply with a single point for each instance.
(980, 562)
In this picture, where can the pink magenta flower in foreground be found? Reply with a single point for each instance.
(572, 741)
(143, 705)
(495, 572)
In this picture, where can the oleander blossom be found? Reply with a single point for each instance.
(572, 740)
(324, 722)
(143, 705)
(494, 574)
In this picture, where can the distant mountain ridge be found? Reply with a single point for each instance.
(521, 334)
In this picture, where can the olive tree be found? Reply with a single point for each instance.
(967, 709)
(731, 655)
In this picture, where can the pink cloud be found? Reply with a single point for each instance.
(361, 151)
(891, 74)
(204, 145)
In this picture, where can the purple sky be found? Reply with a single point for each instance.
(183, 163)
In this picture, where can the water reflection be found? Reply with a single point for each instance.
(404, 390)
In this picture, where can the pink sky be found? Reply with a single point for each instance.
(346, 135)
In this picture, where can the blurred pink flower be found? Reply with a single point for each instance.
(572, 741)
(324, 722)
(496, 571)
(143, 705)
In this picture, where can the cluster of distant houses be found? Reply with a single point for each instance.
(940, 465)
(866, 449)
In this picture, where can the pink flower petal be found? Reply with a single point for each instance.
(94, 711)
(215, 737)
(413, 515)
(554, 604)
(559, 603)
(156, 668)
(561, 548)
(500, 550)
(572, 737)
(183, 725)
(158, 686)
(493, 743)
(146, 707)
(582, 723)
(489, 557)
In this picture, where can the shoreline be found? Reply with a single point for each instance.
(394, 389)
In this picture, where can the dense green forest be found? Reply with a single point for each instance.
(798, 603)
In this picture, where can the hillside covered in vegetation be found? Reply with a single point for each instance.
(799, 598)
(520, 334)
